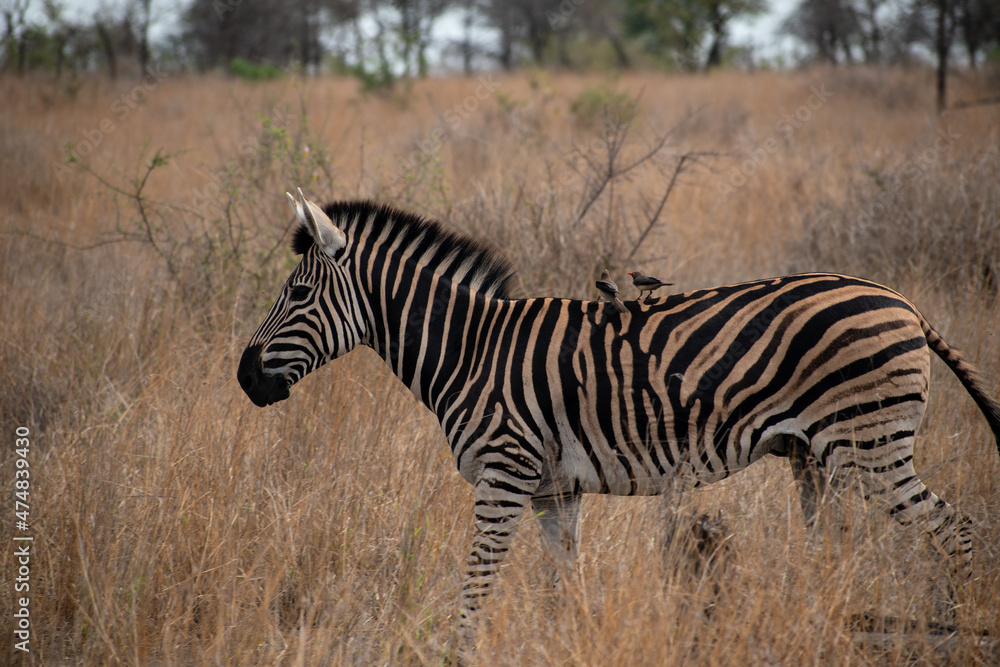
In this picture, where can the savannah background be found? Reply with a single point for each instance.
(145, 154)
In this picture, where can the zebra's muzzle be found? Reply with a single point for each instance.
(261, 388)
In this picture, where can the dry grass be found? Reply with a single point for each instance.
(175, 523)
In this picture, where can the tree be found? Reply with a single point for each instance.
(980, 26)
(261, 30)
(718, 14)
(945, 35)
(107, 43)
(879, 30)
(120, 33)
(501, 16)
(827, 26)
(593, 21)
(869, 30)
(415, 23)
(140, 9)
(466, 46)
(15, 13)
(679, 29)
(522, 23)
(671, 29)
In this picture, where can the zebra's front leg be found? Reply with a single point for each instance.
(559, 524)
(502, 494)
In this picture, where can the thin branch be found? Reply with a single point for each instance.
(663, 140)
(615, 143)
(616, 138)
(66, 244)
(690, 155)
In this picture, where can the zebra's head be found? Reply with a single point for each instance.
(315, 318)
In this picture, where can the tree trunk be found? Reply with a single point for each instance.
(619, 48)
(304, 52)
(108, 46)
(506, 55)
(144, 38)
(60, 54)
(971, 32)
(943, 45)
(466, 46)
(714, 52)
(18, 43)
(537, 42)
(718, 21)
(876, 34)
(564, 60)
(22, 53)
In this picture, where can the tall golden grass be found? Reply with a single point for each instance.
(175, 523)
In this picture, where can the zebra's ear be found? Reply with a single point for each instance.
(327, 235)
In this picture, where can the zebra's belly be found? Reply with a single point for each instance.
(631, 460)
(597, 464)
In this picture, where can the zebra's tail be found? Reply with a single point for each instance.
(967, 375)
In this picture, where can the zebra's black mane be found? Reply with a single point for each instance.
(470, 262)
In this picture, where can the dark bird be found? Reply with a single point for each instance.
(609, 291)
(646, 283)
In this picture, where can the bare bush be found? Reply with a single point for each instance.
(174, 523)
(932, 217)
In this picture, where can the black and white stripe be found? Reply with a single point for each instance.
(544, 399)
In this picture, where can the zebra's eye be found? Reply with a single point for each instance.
(299, 292)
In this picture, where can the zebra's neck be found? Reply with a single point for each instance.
(422, 288)
(425, 326)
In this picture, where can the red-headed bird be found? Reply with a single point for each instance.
(646, 283)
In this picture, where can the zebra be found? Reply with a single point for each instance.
(544, 399)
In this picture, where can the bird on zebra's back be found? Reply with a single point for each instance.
(646, 283)
(609, 291)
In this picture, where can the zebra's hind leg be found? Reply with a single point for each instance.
(887, 473)
(559, 524)
(912, 502)
(810, 478)
(890, 475)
